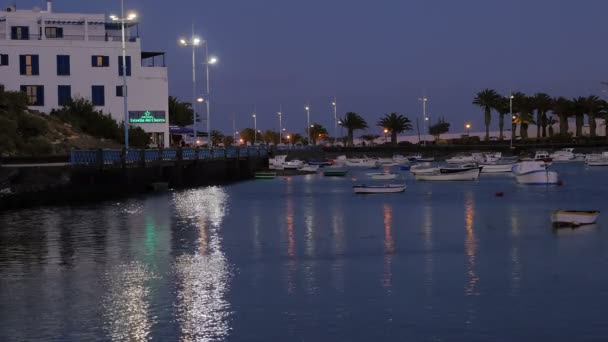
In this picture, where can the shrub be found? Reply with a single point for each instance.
(8, 136)
(137, 137)
(38, 146)
(30, 126)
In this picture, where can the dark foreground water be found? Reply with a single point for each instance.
(304, 259)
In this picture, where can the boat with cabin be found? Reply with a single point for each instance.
(383, 175)
(534, 172)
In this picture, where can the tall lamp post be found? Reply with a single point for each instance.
(424, 118)
(280, 113)
(385, 132)
(255, 129)
(334, 104)
(193, 42)
(308, 122)
(125, 93)
(512, 117)
(208, 61)
(467, 126)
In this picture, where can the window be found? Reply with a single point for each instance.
(100, 61)
(64, 95)
(119, 92)
(28, 65)
(20, 33)
(98, 95)
(53, 32)
(63, 65)
(35, 94)
(3, 59)
(120, 68)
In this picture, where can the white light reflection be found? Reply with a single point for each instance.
(427, 229)
(389, 247)
(203, 279)
(470, 245)
(337, 224)
(127, 303)
(309, 266)
(291, 243)
(515, 262)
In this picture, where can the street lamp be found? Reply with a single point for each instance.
(280, 113)
(512, 116)
(255, 129)
(125, 94)
(209, 61)
(334, 104)
(467, 126)
(424, 118)
(194, 42)
(308, 123)
(385, 132)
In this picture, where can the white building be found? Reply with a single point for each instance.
(57, 56)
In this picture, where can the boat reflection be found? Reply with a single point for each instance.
(389, 246)
(203, 278)
(470, 246)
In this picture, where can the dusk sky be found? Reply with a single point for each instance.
(375, 56)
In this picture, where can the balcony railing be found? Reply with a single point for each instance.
(78, 37)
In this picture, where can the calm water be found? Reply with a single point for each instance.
(304, 259)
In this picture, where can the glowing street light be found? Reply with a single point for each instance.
(255, 129)
(200, 100)
(307, 108)
(125, 94)
(467, 126)
(424, 99)
(194, 42)
(209, 61)
(512, 117)
(334, 104)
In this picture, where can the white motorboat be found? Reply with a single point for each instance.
(597, 159)
(414, 157)
(563, 155)
(400, 160)
(367, 163)
(497, 167)
(277, 162)
(542, 156)
(379, 189)
(383, 175)
(464, 175)
(423, 168)
(310, 168)
(534, 172)
(293, 164)
(574, 218)
(461, 159)
(426, 160)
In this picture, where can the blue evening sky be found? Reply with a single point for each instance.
(375, 56)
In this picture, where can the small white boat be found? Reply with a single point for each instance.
(383, 175)
(426, 160)
(534, 172)
(461, 159)
(563, 155)
(597, 162)
(293, 164)
(422, 169)
(464, 175)
(310, 168)
(542, 156)
(367, 163)
(378, 189)
(574, 218)
(497, 167)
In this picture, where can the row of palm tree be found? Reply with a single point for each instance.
(394, 123)
(536, 109)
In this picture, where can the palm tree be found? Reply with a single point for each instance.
(317, 131)
(524, 119)
(562, 107)
(578, 109)
(487, 100)
(503, 108)
(593, 106)
(352, 121)
(180, 113)
(523, 106)
(395, 123)
(550, 122)
(604, 114)
(543, 104)
(216, 137)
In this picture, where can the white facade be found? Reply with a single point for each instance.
(82, 36)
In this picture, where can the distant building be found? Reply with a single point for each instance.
(53, 57)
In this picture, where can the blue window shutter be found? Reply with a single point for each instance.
(3, 59)
(23, 89)
(14, 32)
(128, 65)
(40, 95)
(119, 65)
(106, 61)
(59, 32)
(22, 64)
(59, 65)
(25, 32)
(98, 95)
(93, 61)
(64, 94)
(35, 70)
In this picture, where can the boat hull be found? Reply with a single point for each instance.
(538, 177)
(496, 168)
(379, 189)
(335, 173)
(574, 218)
(383, 176)
(468, 175)
(265, 175)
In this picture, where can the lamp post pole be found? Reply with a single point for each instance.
(424, 118)
(334, 105)
(308, 122)
(255, 129)
(125, 93)
(193, 42)
(512, 117)
(280, 124)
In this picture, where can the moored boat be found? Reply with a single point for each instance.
(265, 175)
(574, 218)
(464, 175)
(334, 172)
(383, 175)
(423, 169)
(542, 156)
(378, 189)
(534, 172)
(497, 167)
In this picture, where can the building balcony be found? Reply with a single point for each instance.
(153, 59)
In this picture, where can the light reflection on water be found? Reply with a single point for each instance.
(203, 278)
(470, 245)
(389, 247)
(514, 253)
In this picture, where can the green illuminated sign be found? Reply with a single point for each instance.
(148, 116)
